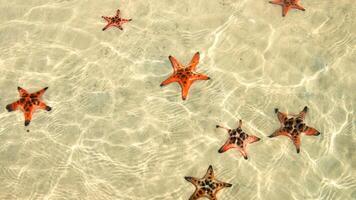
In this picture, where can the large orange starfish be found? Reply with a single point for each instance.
(207, 186)
(29, 103)
(294, 126)
(116, 21)
(287, 5)
(185, 76)
(237, 139)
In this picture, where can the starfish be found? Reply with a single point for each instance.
(237, 139)
(294, 126)
(185, 76)
(116, 21)
(29, 103)
(207, 186)
(287, 5)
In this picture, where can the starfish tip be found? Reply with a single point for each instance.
(217, 126)
(27, 122)
(48, 108)
(246, 158)
(9, 108)
(298, 150)
(305, 108)
(276, 110)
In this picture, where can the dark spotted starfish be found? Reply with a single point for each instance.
(185, 76)
(293, 126)
(29, 103)
(116, 21)
(287, 5)
(207, 186)
(237, 139)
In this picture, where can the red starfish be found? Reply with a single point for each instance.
(28, 103)
(294, 126)
(237, 139)
(185, 76)
(207, 186)
(287, 5)
(116, 21)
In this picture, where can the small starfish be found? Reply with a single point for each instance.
(185, 76)
(29, 103)
(116, 21)
(207, 186)
(287, 5)
(293, 126)
(237, 139)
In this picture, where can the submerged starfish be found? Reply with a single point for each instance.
(185, 76)
(29, 103)
(293, 126)
(116, 21)
(237, 139)
(287, 5)
(207, 186)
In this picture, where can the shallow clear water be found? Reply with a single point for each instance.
(114, 133)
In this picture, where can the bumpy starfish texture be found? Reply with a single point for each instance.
(293, 126)
(287, 5)
(29, 103)
(237, 139)
(185, 76)
(116, 21)
(207, 186)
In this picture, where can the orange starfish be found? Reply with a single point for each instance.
(185, 76)
(294, 126)
(29, 103)
(116, 21)
(287, 5)
(237, 139)
(207, 186)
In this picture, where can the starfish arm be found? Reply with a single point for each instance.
(209, 173)
(13, 106)
(228, 145)
(195, 77)
(119, 26)
(285, 10)
(39, 93)
(107, 26)
(194, 62)
(303, 113)
(279, 132)
(22, 92)
(227, 129)
(175, 64)
(296, 141)
(125, 20)
(185, 88)
(299, 7)
(311, 131)
(239, 125)
(220, 185)
(277, 2)
(193, 180)
(108, 19)
(43, 106)
(169, 80)
(282, 117)
(243, 152)
(252, 139)
(199, 193)
(28, 117)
